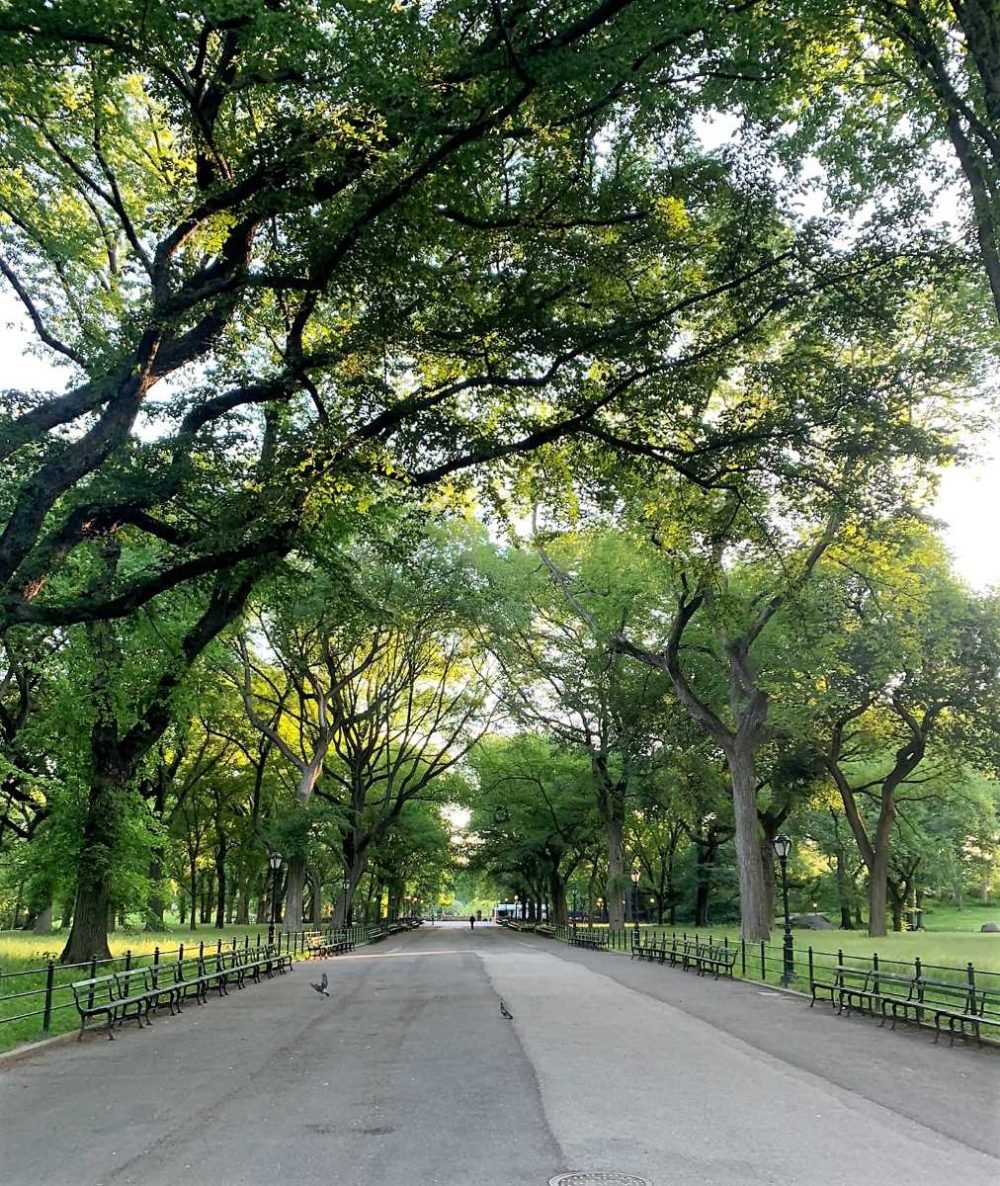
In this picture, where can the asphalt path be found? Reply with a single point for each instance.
(408, 1075)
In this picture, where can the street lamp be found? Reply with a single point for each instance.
(274, 860)
(782, 846)
(635, 903)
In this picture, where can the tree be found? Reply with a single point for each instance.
(878, 85)
(267, 211)
(914, 675)
(301, 257)
(533, 816)
(370, 700)
(558, 676)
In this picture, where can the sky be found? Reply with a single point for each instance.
(968, 504)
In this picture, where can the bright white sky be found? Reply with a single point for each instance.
(968, 504)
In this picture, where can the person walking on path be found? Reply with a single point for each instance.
(472, 921)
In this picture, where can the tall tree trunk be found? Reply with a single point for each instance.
(755, 919)
(88, 935)
(611, 804)
(105, 803)
(67, 913)
(294, 885)
(156, 904)
(205, 893)
(843, 893)
(43, 922)
(243, 906)
(557, 896)
(877, 893)
(220, 881)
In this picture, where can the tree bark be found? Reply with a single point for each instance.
(294, 885)
(91, 908)
(755, 921)
(156, 904)
(43, 922)
(220, 882)
(877, 893)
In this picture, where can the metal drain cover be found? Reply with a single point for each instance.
(597, 1178)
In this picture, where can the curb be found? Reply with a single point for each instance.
(10, 1057)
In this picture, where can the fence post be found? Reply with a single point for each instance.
(128, 960)
(50, 979)
(875, 969)
(811, 971)
(763, 962)
(156, 956)
(971, 973)
(743, 957)
(93, 973)
(201, 949)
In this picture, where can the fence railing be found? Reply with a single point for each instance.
(766, 962)
(42, 993)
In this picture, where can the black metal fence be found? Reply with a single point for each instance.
(766, 963)
(40, 994)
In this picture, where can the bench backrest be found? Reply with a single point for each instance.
(950, 993)
(97, 989)
(133, 982)
(988, 1005)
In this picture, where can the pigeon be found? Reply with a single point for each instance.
(505, 1012)
(321, 987)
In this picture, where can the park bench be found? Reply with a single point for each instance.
(117, 997)
(647, 948)
(595, 940)
(319, 946)
(877, 992)
(546, 930)
(146, 982)
(965, 1008)
(834, 981)
(918, 998)
(137, 992)
(716, 958)
(696, 954)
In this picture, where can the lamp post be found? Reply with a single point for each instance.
(274, 860)
(574, 910)
(635, 903)
(782, 846)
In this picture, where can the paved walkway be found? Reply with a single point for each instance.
(407, 1075)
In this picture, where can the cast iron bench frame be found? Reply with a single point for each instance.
(595, 940)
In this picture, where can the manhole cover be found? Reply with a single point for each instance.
(597, 1178)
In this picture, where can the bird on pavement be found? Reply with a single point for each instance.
(505, 1012)
(321, 987)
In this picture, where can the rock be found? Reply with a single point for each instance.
(991, 928)
(811, 922)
